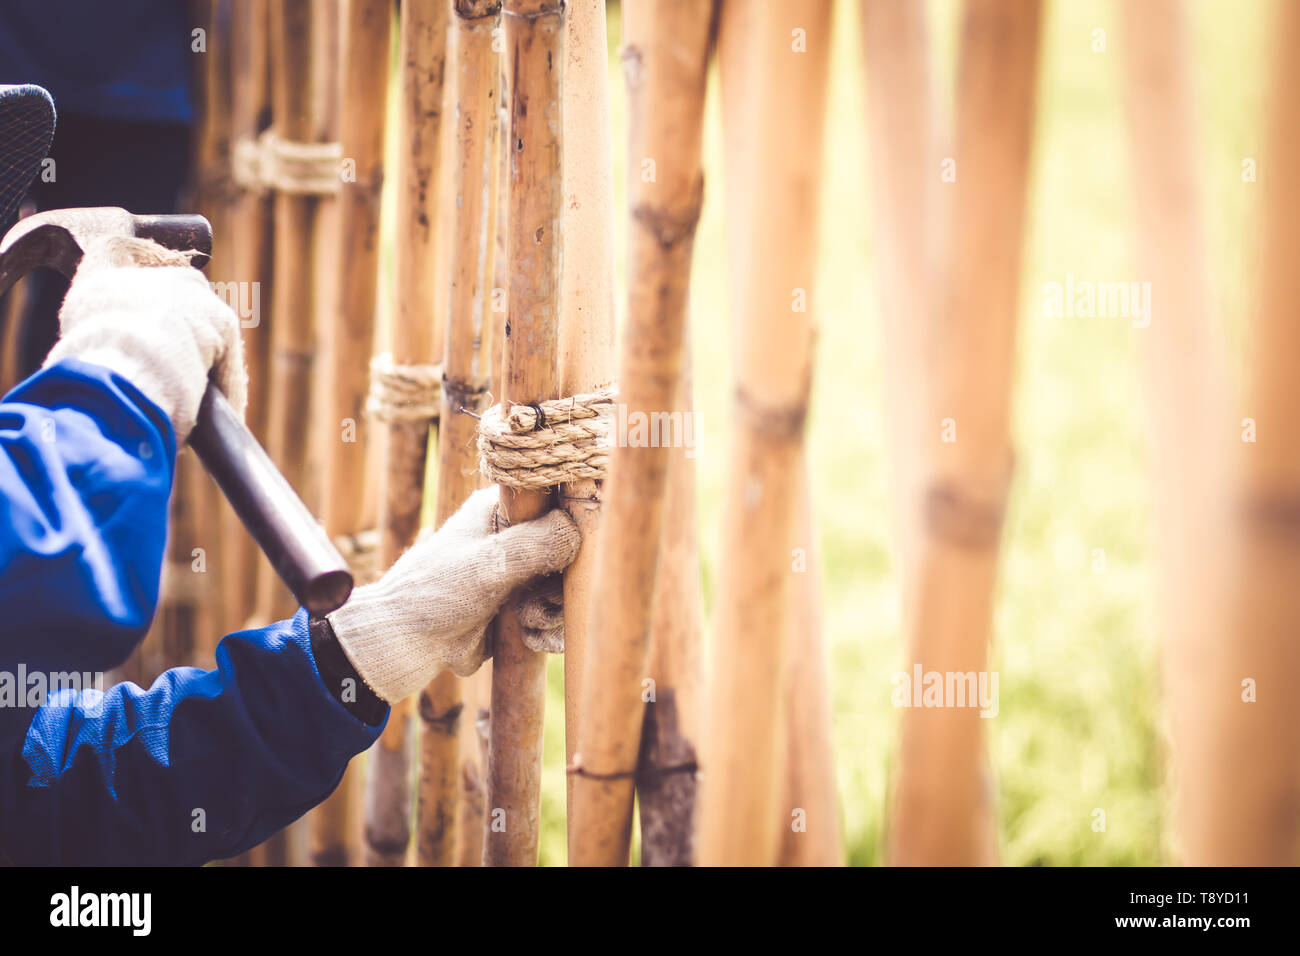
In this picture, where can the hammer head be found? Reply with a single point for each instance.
(56, 239)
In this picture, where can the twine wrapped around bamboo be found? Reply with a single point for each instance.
(404, 393)
(271, 162)
(547, 443)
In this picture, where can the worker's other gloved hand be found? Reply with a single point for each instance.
(431, 611)
(139, 309)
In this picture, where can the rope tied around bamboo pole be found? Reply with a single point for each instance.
(548, 443)
(361, 552)
(401, 394)
(272, 163)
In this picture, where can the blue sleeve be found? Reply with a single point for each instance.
(202, 766)
(86, 468)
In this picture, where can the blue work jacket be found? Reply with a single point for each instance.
(204, 764)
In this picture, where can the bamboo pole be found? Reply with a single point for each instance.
(366, 50)
(477, 689)
(1251, 801)
(903, 129)
(665, 58)
(1235, 757)
(250, 269)
(534, 40)
(586, 344)
(467, 375)
(943, 795)
(299, 37)
(667, 767)
(809, 813)
(415, 339)
(295, 26)
(903, 121)
(773, 271)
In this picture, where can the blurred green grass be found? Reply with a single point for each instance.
(1077, 649)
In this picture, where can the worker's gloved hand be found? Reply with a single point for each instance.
(431, 611)
(139, 309)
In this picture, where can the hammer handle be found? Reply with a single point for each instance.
(294, 542)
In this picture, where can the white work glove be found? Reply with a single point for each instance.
(431, 611)
(139, 309)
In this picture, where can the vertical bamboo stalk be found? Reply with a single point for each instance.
(294, 28)
(366, 50)
(772, 274)
(299, 29)
(943, 797)
(477, 689)
(1249, 813)
(809, 813)
(415, 340)
(218, 196)
(902, 118)
(586, 345)
(665, 60)
(467, 374)
(250, 270)
(1232, 659)
(667, 768)
(534, 38)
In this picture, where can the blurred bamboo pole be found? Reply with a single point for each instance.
(667, 767)
(1230, 657)
(809, 810)
(251, 226)
(250, 271)
(302, 34)
(1250, 812)
(777, 88)
(467, 374)
(586, 343)
(943, 810)
(903, 132)
(366, 39)
(415, 340)
(295, 45)
(534, 39)
(665, 63)
(196, 562)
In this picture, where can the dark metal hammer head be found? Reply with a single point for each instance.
(56, 239)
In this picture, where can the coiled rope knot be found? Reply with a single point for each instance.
(269, 162)
(403, 393)
(547, 443)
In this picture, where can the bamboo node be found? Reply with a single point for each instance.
(963, 519)
(403, 393)
(576, 769)
(447, 722)
(780, 422)
(548, 443)
(271, 163)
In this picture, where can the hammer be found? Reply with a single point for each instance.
(298, 548)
